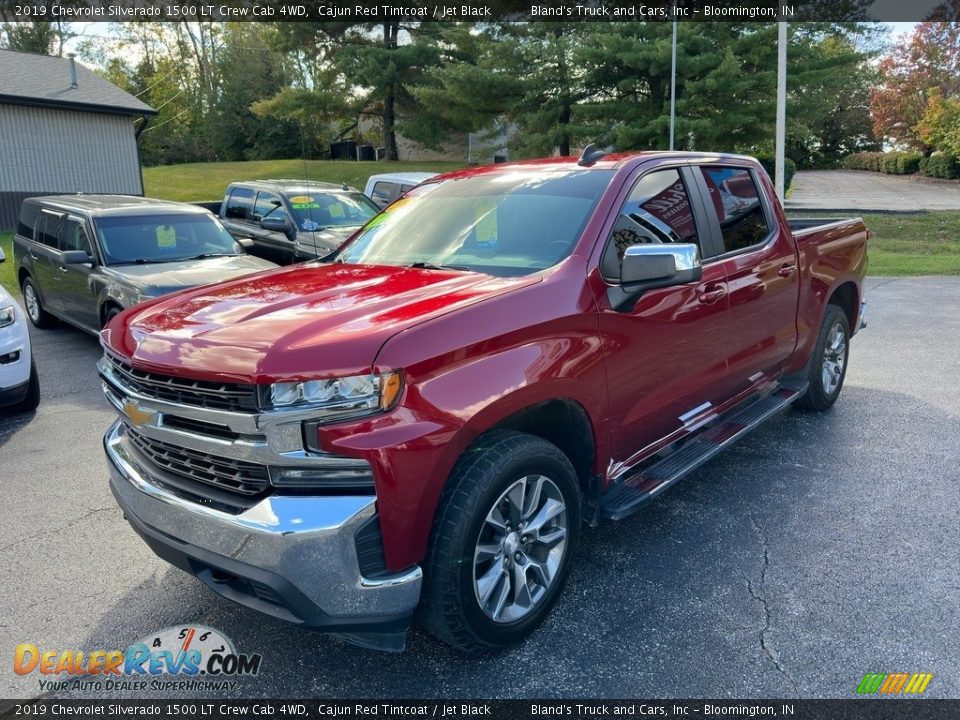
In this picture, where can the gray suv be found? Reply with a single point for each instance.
(84, 258)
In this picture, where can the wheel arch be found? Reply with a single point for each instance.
(846, 296)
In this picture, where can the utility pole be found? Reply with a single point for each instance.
(781, 139)
(673, 83)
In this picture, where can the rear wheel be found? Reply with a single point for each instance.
(829, 365)
(502, 542)
(31, 300)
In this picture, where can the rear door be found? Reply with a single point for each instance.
(758, 263)
(45, 257)
(75, 291)
(665, 357)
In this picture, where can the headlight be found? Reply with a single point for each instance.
(337, 398)
(7, 316)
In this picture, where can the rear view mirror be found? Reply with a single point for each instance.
(646, 267)
(75, 257)
(3, 258)
(245, 243)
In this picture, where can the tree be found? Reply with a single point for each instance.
(926, 62)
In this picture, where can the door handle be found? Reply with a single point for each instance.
(786, 270)
(711, 293)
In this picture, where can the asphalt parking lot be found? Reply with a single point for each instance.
(818, 549)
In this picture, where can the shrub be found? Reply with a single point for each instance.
(892, 163)
(789, 168)
(940, 166)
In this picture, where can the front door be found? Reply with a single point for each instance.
(666, 357)
(76, 296)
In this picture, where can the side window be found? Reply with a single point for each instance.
(736, 199)
(48, 229)
(267, 204)
(383, 193)
(73, 237)
(657, 211)
(28, 220)
(405, 189)
(239, 204)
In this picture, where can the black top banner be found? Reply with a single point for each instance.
(280, 709)
(381, 11)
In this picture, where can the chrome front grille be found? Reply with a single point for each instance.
(236, 476)
(198, 393)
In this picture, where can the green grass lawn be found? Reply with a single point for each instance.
(8, 277)
(208, 181)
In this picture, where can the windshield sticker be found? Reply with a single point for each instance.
(301, 200)
(310, 225)
(486, 227)
(166, 236)
(336, 210)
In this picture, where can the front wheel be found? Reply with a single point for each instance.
(829, 364)
(502, 542)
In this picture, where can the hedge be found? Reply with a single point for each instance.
(770, 164)
(940, 166)
(891, 163)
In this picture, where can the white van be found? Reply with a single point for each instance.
(384, 188)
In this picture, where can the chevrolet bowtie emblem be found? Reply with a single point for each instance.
(137, 415)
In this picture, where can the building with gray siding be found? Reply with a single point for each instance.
(64, 129)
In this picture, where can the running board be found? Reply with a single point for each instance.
(628, 496)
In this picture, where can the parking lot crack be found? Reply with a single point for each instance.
(65, 526)
(759, 594)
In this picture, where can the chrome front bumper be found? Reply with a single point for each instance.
(293, 557)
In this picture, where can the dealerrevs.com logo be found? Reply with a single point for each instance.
(197, 658)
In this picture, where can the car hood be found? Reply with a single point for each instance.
(154, 279)
(306, 321)
(324, 241)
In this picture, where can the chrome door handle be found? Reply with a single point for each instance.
(787, 270)
(711, 295)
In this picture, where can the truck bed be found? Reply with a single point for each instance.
(799, 226)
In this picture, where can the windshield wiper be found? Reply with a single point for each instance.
(434, 266)
(204, 256)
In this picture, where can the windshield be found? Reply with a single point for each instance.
(315, 211)
(163, 238)
(501, 224)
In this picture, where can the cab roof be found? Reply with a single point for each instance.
(103, 205)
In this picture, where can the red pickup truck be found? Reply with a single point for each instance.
(424, 425)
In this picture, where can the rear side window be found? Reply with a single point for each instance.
(28, 220)
(48, 229)
(657, 211)
(239, 204)
(383, 193)
(743, 222)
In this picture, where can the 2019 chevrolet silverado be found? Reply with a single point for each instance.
(505, 355)
(84, 258)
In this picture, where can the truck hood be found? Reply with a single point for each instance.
(321, 243)
(306, 321)
(154, 279)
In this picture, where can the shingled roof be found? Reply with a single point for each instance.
(43, 80)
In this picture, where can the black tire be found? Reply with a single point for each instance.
(39, 317)
(32, 400)
(822, 393)
(110, 314)
(450, 606)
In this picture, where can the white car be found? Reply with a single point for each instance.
(19, 384)
(384, 188)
